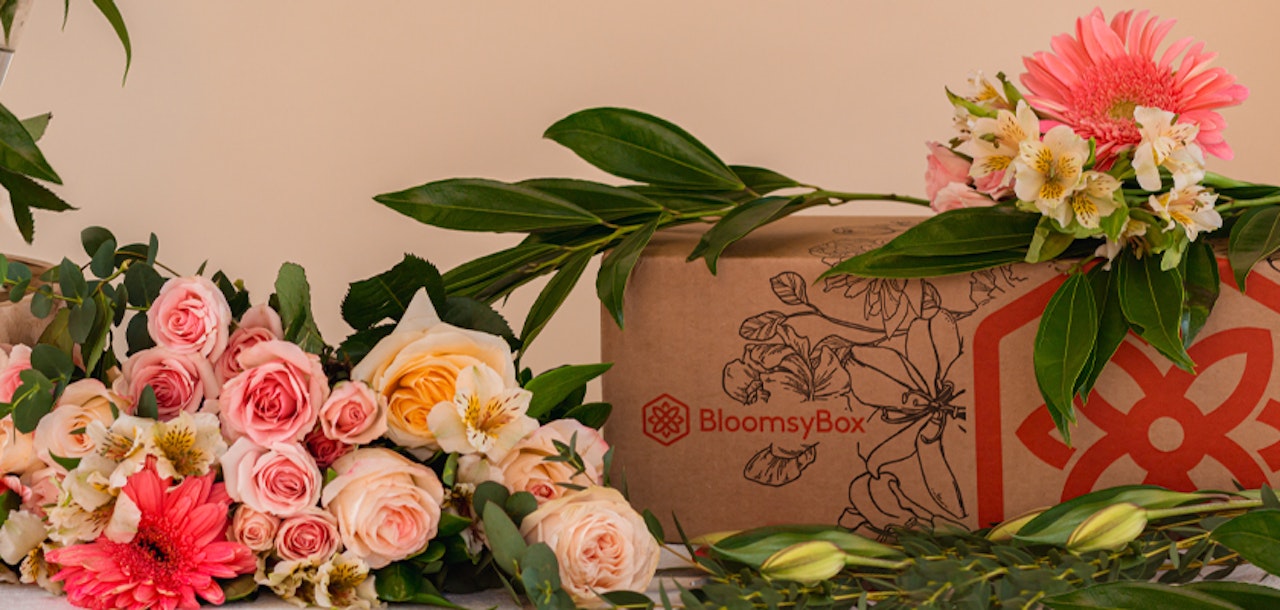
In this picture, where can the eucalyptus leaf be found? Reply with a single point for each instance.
(32, 400)
(103, 263)
(737, 224)
(504, 539)
(143, 284)
(18, 150)
(1255, 536)
(136, 334)
(398, 582)
(1254, 237)
(553, 296)
(71, 280)
(1119, 595)
(147, 406)
(540, 575)
(555, 385)
(616, 268)
(1066, 336)
(642, 147)
(1152, 302)
(83, 317)
(474, 204)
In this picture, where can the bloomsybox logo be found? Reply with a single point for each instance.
(667, 420)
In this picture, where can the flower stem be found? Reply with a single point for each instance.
(1194, 509)
(1248, 203)
(843, 197)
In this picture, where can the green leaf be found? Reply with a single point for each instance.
(487, 492)
(37, 125)
(1055, 525)
(31, 193)
(94, 346)
(83, 317)
(554, 385)
(1152, 303)
(1202, 286)
(1068, 329)
(1246, 595)
(520, 505)
(71, 280)
(9, 501)
(469, 313)
(42, 302)
(887, 263)
(616, 268)
(754, 546)
(387, 295)
(67, 463)
(469, 278)
(242, 587)
(451, 524)
(475, 204)
(136, 335)
(56, 333)
(606, 202)
(18, 150)
(591, 414)
(1121, 595)
(967, 231)
(357, 345)
(143, 284)
(540, 575)
(8, 9)
(23, 218)
(294, 294)
(112, 13)
(655, 526)
(628, 599)
(553, 296)
(1112, 327)
(147, 406)
(32, 400)
(1047, 242)
(103, 263)
(504, 539)
(762, 181)
(1254, 237)
(642, 147)
(1255, 536)
(52, 362)
(737, 224)
(398, 582)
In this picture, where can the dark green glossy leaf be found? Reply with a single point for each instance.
(616, 268)
(1123, 595)
(8, 9)
(143, 284)
(451, 524)
(357, 345)
(642, 147)
(1152, 303)
(9, 501)
(1255, 536)
(94, 347)
(1068, 329)
(967, 231)
(474, 204)
(103, 263)
(1047, 242)
(32, 400)
(762, 181)
(71, 280)
(18, 150)
(387, 295)
(686, 202)
(23, 218)
(31, 193)
(606, 202)
(1254, 237)
(504, 539)
(137, 335)
(1112, 328)
(67, 463)
(592, 414)
(52, 362)
(147, 406)
(112, 13)
(469, 278)
(1246, 595)
(553, 295)
(737, 224)
(1202, 286)
(554, 385)
(37, 125)
(470, 313)
(886, 263)
(294, 294)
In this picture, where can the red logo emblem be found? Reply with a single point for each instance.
(666, 419)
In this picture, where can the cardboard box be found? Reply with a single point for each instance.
(763, 396)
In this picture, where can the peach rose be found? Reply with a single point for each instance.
(387, 507)
(254, 529)
(325, 450)
(602, 544)
(353, 414)
(190, 316)
(280, 479)
(45, 489)
(525, 468)
(955, 196)
(312, 535)
(181, 382)
(17, 450)
(261, 323)
(276, 397)
(84, 401)
(944, 167)
(416, 367)
(19, 360)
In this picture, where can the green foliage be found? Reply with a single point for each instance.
(553, 387)
(293, 292)
(1064, 341)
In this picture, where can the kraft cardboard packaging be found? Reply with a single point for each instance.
(762, 395)
(17, 325)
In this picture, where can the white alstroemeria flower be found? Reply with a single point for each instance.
(1090, 203)
(22, 532)
(995, 143)
(485, 416)
(1049, 170)
(985, 93)
(88, 485)
(124, 443)
(1168, 144)
(1190, 207)
(1111, 248)
(186, 445)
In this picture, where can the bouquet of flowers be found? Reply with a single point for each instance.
(232, 449)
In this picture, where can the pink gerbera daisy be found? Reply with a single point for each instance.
(178, 550)
(1093, 82)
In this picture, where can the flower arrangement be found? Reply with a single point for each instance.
(231, 449)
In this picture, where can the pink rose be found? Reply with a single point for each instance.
(276, 398)
(45, 489)
(601, 543)
(281, 480)
(387, 507)
(311, 535)
(325, 450)
(526, 468)
(256, 530)
(993, 185)
(955, 196)
(259, 324)
(944, 167)
(19, 360)
(354, 414)
(190, 316)
(181, 382)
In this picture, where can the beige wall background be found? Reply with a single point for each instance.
(253, 132)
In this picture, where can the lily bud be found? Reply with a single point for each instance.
(1008, 529)
(805, 562)
(1109, 528)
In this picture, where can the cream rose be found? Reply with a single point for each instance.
(254, 529)
(17, 450)
(190, 316)
(181, 382)
(83, 402)
(261, 323)
(416, 367)
(277, 396)
(311, 536)
(602, 544)
(282, 479)
(387, 507)
(526, 467)
(354, 414)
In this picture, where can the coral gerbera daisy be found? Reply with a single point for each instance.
(1094, 81)
(179, 548)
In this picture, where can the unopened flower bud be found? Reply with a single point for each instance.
(1005, 531)
(1109, 528)
(805, 562)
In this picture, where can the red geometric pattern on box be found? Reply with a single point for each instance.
(666, 419)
